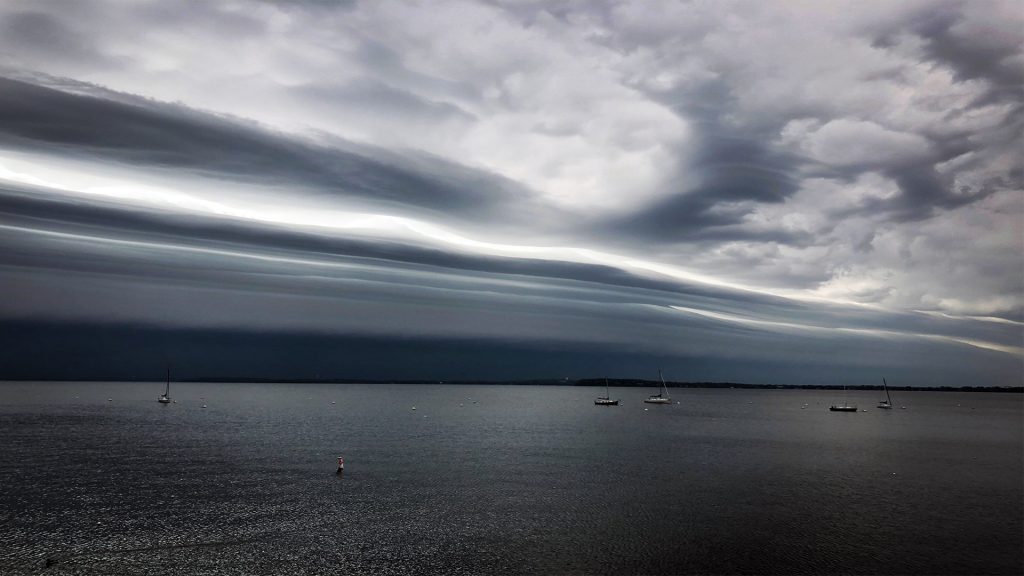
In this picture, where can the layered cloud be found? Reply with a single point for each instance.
(763, 182)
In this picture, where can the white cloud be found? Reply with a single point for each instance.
(845, 143)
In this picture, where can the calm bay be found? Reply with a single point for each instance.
(99, 478)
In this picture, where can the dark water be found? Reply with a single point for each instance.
(504, 480)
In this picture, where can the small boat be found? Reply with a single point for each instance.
(606, 400)
(887, 403)
(165, 398)
(845, 407)
(662, 396)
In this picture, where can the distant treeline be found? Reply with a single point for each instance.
(655, 383)
(619, 383)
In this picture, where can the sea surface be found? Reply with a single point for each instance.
(99, 478)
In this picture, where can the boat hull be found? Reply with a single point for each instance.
(658, 401)
(163, 400)
(606, 402)
(842, 408)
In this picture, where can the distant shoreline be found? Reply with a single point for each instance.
(618, 383)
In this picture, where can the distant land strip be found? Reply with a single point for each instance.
(619, 383)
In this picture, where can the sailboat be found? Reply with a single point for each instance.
(887, 403)
(606, 400)
(845, 407)
(165, 398)
(662, 396)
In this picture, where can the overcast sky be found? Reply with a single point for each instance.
(805, 192)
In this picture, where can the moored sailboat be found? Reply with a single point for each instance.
(887, 403)
(165, 398)
(662, 396)
(606, 400)
(845, 407)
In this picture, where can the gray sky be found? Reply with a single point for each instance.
(760, 191)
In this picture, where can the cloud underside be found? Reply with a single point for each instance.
(186, 272)
(144, 351)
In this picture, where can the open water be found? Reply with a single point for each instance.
(505, 480)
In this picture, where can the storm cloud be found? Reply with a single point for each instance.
(733, 190)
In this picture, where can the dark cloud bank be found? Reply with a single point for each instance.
(74, 351)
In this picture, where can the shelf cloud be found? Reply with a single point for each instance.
(532, 190)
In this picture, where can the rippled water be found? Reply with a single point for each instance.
(504, 480)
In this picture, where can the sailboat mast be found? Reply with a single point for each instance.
(664, 388)
(167, 389)
(607, 394)
(886, 386)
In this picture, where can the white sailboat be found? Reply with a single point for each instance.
(887, 403)
(662, 396)
(606, 400)
(845, 407)
(165, 398)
